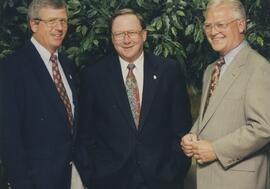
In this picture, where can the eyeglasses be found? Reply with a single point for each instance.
(53, 22)
(219, 26)
(119, 36)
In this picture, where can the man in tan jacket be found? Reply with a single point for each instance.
(229, 139)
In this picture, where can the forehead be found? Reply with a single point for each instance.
(126, 22)
(219, 13)
(49, 12)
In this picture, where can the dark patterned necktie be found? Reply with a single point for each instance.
(133, 94)
(214, 80)
(57, 79)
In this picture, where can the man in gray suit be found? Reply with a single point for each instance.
(229, 139)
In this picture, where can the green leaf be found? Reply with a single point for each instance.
(140, 2)
(84, 30)
(180, 13)
(96, 42)
(158, 49)
(74, 21)
(159, 24)
(22, 10)
(73, 50)
(150, 28)
(260, 41)
(174, 31)
(165, 52)
(189, 29)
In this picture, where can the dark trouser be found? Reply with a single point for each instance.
(129, 177)
(137, 180)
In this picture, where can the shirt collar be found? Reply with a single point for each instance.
(232, 53)
(138, 62)
(44, 53)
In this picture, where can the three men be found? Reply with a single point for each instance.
(39, 104)
(229, 139)
(134, 110)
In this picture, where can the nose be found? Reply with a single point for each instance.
(213, 30)
(59, 25)
(126, 38)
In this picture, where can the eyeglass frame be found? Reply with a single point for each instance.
(219, 26)
(53, 22)
(132, 34)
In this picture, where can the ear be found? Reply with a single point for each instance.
(241, 25)
(144, 35)
(34, 25)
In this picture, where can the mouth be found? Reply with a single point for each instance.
(217, 39)
(126, 48)
(58, 36)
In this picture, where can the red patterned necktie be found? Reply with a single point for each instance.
(214, 80)
(57, 79)
(133, 94)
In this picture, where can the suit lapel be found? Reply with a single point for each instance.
(117, 86)
(151, 78)
(232, 72)
(205, 91)
(44, 80)
(71, 82)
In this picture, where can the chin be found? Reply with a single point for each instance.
(217, 48)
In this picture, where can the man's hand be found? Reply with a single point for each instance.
(203, 151)
(187, 142)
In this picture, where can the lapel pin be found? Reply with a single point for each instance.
(154, 77)
(70, 76)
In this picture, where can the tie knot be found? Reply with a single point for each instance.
(53, 58)
(220, 62)
(131, 66)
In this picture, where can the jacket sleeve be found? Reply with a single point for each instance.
(16, 166)
(180, 117)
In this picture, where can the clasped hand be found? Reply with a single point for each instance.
(201, 150)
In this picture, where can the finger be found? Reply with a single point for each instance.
(187, 151)
(196, 156)
(200, 161)
(193, 137)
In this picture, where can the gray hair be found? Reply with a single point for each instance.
(127, 11)
(36, 5)
(236, 5)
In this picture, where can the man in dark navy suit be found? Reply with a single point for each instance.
(39, 105)
(134, 110)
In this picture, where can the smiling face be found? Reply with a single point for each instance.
(128, 47)
(230, 35)
(50, 37)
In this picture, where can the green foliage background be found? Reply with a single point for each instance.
(174, 30)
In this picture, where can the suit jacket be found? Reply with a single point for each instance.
(37, 141)
(237, 121)
(113, 146)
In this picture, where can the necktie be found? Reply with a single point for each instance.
(214, 79)
(133, 94)
(57, 79)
